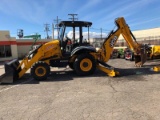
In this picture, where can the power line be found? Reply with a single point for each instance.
(73, 17)
(101, 33)
(57, 20)
(99, 29)
(46, 29)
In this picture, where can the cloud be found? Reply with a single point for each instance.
(31, 11)
(88, 5)
(145, 21)
(125, 9)
(101, 12)
(85, 35)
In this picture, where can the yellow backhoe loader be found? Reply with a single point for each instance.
(79, 55)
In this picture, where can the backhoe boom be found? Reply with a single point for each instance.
(110, 41)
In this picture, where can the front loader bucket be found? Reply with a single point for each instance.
(141, 58)
(11, 72)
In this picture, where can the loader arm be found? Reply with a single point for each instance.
(15, 69)
(110, 41)
(50, 50)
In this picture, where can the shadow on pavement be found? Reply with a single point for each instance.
(134, 74)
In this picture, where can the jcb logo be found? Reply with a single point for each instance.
(113, 41)
(49, 47)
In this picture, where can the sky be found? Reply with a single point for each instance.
(31, 15)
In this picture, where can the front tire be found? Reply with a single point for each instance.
(40, 70)
(85, 64)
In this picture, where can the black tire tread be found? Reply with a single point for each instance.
(35, 65)
(77, 64)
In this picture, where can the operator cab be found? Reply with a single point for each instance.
(73, 34)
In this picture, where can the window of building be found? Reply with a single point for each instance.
(5, 51)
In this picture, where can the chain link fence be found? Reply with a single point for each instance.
(153, 40)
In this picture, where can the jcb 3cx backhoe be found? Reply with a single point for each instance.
(81, 56)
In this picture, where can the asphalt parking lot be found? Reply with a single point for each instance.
(134, 95)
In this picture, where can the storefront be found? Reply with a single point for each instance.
(11, 48)
(8, 46)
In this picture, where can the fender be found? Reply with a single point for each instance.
(83, 49)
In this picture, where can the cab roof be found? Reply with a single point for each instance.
(75, 23)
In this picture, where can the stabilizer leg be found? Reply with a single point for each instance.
(156, 68)
(107, 69)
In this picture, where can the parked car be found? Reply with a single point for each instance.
(114, 53)
(121, 53)
(129, 54)
(118, 52)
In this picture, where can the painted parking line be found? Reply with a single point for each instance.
(8, 88)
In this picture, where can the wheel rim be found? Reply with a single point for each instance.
(86, 64)
(40, 71)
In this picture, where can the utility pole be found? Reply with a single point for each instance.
(52, 31)
(101, 33)
(73, 17)
(56, 25)
(46, 29)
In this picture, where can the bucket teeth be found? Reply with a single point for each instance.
(12, 66)
(140, 59)
(11, 72)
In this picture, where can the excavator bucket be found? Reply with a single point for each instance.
(11, 72)
(141, 58)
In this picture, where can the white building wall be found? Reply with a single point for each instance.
(5, 39)
(140, 35)
(145, 33)
(23, 50)
(4, 35)
(14, 51)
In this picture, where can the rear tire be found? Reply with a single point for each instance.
(85, 64)
(153, 57)
(40, 70)
(71, 65)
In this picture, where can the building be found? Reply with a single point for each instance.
(149, 36)
(25, 45)
(8, 46)
(11, 48)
